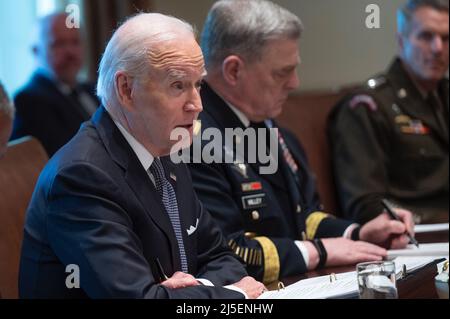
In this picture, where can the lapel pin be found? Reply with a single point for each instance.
(242, 169)
(402, 93)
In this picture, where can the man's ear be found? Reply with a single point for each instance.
(232, 68)
(123, 85)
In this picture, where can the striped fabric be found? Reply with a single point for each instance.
(169, 200)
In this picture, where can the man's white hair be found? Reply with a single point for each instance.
(131, 47)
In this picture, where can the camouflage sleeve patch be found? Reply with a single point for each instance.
(365, 100)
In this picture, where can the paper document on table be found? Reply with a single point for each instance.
(339, 286)
(434, 249)
(429, 228)
(342, 285)
(411, 263)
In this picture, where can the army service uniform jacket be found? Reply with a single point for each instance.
(389, 141)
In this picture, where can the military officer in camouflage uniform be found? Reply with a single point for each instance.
(273, 221)
(391, 139)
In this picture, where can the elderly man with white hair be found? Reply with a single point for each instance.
(112, 216)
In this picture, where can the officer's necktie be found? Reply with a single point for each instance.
(287, 155)
(169, 200)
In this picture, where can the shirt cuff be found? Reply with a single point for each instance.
(205, 282)
(349, 230)
(303, 251)
(208, 283)
(232, 287)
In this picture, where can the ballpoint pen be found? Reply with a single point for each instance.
(389, 209)
(161, 273)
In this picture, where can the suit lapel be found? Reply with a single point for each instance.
(51, 87)
(136, 177)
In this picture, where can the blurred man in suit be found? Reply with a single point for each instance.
(6, 118)
(52, 106)
(273, 221)
(113, 204)
(390, 139)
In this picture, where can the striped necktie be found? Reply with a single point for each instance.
(287, 155)
(169, 200)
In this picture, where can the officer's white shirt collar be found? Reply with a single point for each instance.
(244, 119)
(241, 116)
(144, 156)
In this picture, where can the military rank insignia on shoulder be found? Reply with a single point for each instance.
(377, 82)
(363, 100)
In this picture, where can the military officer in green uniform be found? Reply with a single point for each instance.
(272, 220)
(391, 139)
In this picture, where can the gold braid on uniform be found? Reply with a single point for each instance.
(251, 256)
(312, 223)
(271, 260)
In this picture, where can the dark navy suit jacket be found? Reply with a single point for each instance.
(95, 206)
(47, 114)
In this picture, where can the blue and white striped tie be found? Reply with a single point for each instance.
(169, 200)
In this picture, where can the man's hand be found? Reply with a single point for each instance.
(387, 232)
(342, 251)
(251, 287)
(180, 280)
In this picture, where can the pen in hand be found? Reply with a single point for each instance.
(162, 275)
(389, 209)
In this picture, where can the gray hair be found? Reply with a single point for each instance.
(131, 47)
(6, 106)
(243, 27)
(405, 13)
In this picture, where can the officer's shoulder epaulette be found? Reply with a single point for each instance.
(376, 82)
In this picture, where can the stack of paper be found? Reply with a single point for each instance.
(345, 285)
(430, 228)
(342, 285)
(435, 250)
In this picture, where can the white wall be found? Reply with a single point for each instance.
(336, 49)
(17, 20)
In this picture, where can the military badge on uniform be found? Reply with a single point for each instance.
(415, 127)
(396, 109)
(363, 99)
(241, 168)
(250, 187)
(254, 201)
(402, 93)
(403, 119)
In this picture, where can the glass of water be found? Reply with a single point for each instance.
(376, 280)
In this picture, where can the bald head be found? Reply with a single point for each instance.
(58, 48)
(139, 45)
